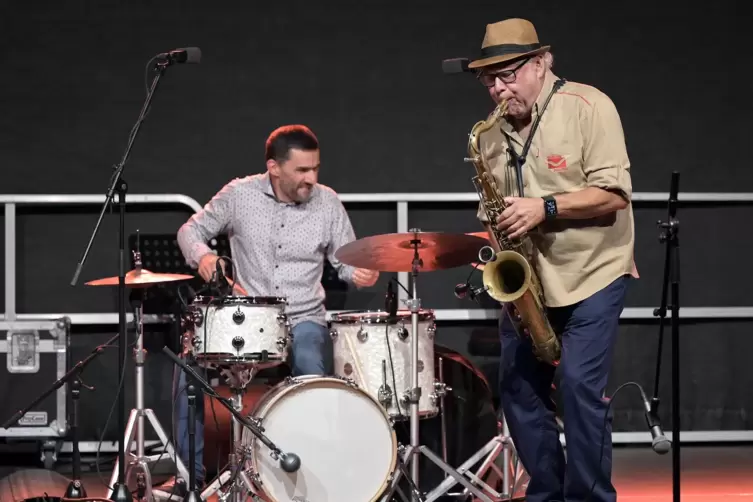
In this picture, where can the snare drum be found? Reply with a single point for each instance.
(238, 330)
(377, 356)
(344, 438)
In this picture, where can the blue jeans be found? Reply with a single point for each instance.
(589, 329)
(311, 354)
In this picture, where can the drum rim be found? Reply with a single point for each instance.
(423, 315)
(204, 300)
(271, 396)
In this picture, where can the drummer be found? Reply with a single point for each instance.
(282, 225)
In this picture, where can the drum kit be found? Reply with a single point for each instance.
(341, 427)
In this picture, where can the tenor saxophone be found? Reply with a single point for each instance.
(508, 274)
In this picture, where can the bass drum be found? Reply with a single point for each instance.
(342, 435)
(469, 415)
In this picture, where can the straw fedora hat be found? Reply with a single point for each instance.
(507, 40)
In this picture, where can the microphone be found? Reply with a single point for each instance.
(455, 65)
(290, 462)
(222, 283)
(660, 443)
(190, 55)
(390, 304)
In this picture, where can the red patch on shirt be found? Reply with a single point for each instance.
(556, 162)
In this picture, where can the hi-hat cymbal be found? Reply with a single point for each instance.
(140, 278)
(395, 252)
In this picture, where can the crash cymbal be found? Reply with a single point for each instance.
(395, 252)
(140, 278)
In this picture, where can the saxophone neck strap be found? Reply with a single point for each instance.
(520, 160)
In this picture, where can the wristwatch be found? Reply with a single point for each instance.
(550, 207)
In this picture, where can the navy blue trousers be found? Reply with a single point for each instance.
(589, 330)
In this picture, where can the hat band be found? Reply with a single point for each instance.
(505, 49)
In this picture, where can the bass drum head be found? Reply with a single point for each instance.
(470, 417)
(342, 435)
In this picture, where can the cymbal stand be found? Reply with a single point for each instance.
(411, 453)
(140, 461)
(510, 473)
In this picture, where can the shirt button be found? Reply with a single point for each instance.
(280, 246)
(277, 266)
(282, 226)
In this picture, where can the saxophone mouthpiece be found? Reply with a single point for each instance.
(487, 254)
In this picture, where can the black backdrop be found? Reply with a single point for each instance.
(366, 77)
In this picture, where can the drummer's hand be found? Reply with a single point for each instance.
(208, 266)
(364, 278)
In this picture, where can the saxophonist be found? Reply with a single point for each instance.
(559, 157)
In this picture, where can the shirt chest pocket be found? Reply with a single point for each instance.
(559, 167)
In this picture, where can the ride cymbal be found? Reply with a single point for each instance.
(140, 278)
(395, 252)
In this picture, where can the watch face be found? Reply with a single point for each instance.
(550, 207)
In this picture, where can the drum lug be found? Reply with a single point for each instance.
(282, 319)
(348, 381)
(362, 335)
(289, 380)
(431, 329)
(196, 342)
(282, 343)
(197, 316)
(402, 333)
(333, 334)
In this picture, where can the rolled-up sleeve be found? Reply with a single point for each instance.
(214, 219)
(341, 233)
(605, 159)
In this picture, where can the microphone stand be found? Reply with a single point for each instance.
(75, 488)
(289, 462)
(120, 492)
(193, 494)
(668, 237)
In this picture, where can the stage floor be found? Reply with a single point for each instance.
(709, 473)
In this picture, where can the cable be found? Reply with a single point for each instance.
(604, 428)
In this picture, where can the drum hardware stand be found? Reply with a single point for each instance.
(119, 491)
(141, 461)
(414, 394)
(289, 462)
(501, 443)
(240, 483)
(75, 489)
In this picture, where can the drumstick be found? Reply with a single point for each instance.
(237, 287)
(356, 361)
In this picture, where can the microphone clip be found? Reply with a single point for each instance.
(467, 290)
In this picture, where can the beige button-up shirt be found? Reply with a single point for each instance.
(579, 143)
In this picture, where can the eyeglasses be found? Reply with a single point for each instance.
(506, 76)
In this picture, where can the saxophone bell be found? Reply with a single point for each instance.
(507, 276)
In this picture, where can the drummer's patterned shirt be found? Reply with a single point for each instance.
(278, 248)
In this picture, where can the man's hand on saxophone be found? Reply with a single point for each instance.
(521, 215)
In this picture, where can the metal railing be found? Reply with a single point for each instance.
(402, 202)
